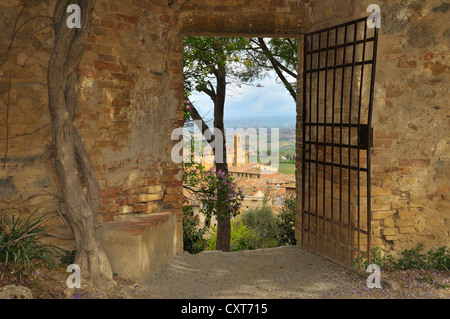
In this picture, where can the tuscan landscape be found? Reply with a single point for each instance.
(211, 152)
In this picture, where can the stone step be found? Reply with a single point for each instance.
(138, 245)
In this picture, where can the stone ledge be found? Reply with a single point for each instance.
(136, 224)
(138, 245)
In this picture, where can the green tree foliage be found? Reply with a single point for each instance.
(208, 58)
(210, 64)
(242, 237)
(279, 55)
(193, 241)
(270, 229)
(285, 222)
(264, 223)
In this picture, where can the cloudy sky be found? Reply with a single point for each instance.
(272, 99)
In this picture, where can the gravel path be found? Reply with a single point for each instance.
(277, 273)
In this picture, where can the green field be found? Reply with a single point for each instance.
(286, 168)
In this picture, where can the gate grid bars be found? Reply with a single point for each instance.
(338, 87)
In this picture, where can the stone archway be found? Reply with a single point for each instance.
(239, 18)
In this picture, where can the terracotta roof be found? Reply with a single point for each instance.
(245, 168)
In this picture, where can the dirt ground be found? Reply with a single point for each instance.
(276, 273)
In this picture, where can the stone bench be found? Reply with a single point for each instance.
(138, 245)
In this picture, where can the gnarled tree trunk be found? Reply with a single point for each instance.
(81, 209)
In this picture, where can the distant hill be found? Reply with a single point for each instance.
(261, 121)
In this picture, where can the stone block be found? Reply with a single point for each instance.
(15, 292)
(407, 230)
(154, 189)
(126, 209)
(407, 212)
(407, 162)
(391, 238)
(140, 208)
(389, 222)
(390, 231)
(138, 246)
(144, 198)
(404, 222)
(383, 214)
(150, 197)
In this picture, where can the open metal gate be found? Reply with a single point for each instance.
(338, 87)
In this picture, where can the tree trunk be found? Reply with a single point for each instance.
(223, 216)
(80, 209)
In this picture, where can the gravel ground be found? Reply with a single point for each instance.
(277, 273)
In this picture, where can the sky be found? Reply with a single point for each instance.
(272, 99)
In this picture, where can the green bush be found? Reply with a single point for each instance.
(263, 222)
(261, 228)
(286, 223)
(193, 241)
(415, 258)
(20, 242)
(241, 237)
(376, 259)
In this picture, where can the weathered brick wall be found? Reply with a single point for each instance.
(127, 107)
(129, 102)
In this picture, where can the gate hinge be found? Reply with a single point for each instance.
(365, 137)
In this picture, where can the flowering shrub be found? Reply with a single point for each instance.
(217, 191)
(187, 109)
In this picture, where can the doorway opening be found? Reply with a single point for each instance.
(240, 108)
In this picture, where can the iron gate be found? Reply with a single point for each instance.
(338, 87)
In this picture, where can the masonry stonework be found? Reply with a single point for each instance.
(410, 155)
(130, 98)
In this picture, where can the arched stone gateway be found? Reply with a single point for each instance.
(130, 99)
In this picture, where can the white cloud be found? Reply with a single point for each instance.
(272, 99)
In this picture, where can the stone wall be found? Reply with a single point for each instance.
(131, 98)
(27, 178)
(410, 157)
(129, 102)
